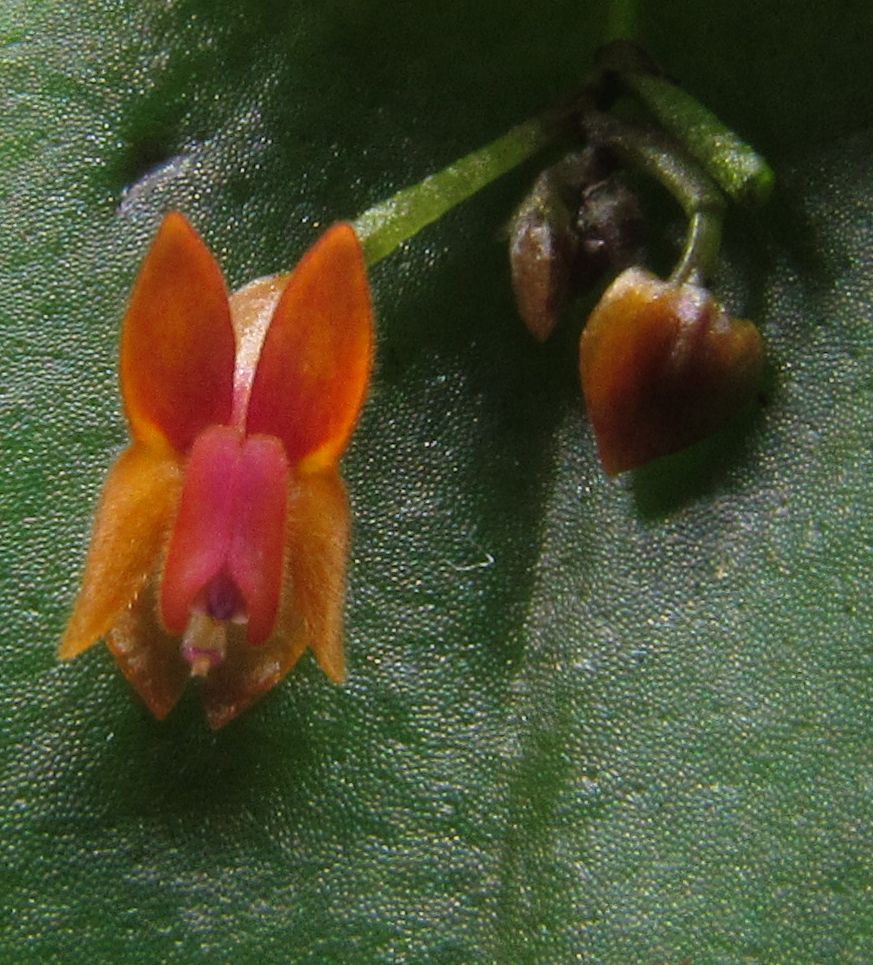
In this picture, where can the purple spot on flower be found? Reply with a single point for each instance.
(223, 600)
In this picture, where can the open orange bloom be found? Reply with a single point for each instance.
(220, 544)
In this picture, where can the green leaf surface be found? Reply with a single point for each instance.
(615, 721)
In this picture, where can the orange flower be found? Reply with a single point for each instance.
(220, 544)
(663, 366)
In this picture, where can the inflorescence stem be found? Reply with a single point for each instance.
(692, 138)
(658, 156)
(389, 223)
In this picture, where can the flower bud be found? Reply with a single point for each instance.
(542, 250)
(609, 225)
(578, 222)
(662, 366)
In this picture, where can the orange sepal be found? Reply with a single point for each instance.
(135, 512)
(315, 362)
(177, 345)
(248, 672)
(148, 656)
(318, 549)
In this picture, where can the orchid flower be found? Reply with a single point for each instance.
(220, 544)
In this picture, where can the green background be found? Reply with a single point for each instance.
(585, 719)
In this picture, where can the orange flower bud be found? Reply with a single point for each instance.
(662, 366)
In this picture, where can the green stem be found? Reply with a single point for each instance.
(739, 170)
(736, 167)
(621, 19)
(386, 225)
(657, 156)
(700, 254)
